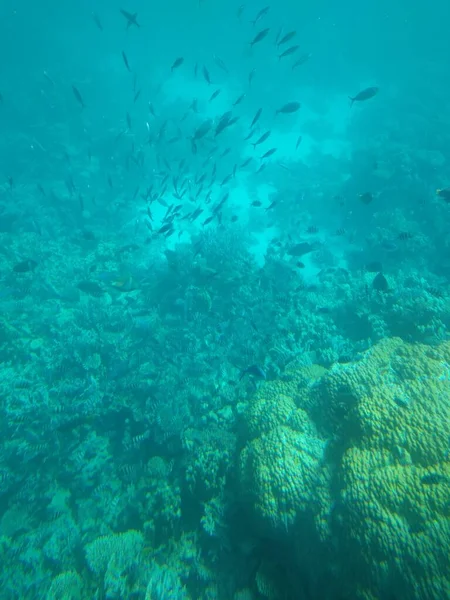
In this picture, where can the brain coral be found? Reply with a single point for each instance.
(281, 467)
(393, 507)
(385, 497)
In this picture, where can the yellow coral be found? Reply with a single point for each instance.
(389, 416)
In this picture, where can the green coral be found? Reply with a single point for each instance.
(396, 474)
(125, 547)
(65, 586)
(281, 468)
(384, 498)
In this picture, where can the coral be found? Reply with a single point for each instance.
(383, 496)
(125, 548)
(281, 466)
(393, 505)
(65, 586)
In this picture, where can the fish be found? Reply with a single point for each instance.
(246, 162)
(203, 129)
(256, 118)
(260, 15)
(125, 60)
(97, 21)
(224, 122)
(25, 266)
(286, 38)
(444, 194)
(239, 100)
(130, 17)
(366, 197)
(78, 97)
(206, 75)
(256, 203)
(136, 95)
(374, 267)
(214, 95)
(288, 52)
(251, 76)
(432, 479)
(262, 139)
(364, 95)
(268, 153)
(177, 63)
(219, 62)
(300, 249)
(259, 37)
(404, 236)
(290, 107)
(299, 141)
(254, 371)
(380, 283)
(91, 288)
(301, 60)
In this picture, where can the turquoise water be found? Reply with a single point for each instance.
(224, 301)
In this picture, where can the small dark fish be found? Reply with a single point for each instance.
(259, 37)
(208, 220)
(246, 162)
(366, 94)
(223, 123)
(206, 75)
(256, 118)
(250, 135)
(260, 15)
(262, 139)
(136, 96)
(97, 21)
(301, 60)
(405, 236)
(366, 198)
(25, 266)
(290, 107)
(288, 52)
(299, 141)
(130, 17)
(251, 76)
(271, 205)
(125, 60)
(286, 38)
(78, 97)
(268, 153)
(444, 194)
(128, 121)
(374, 267)
(239, 100)
(256, 203)
(91, 288)
(214, 95)
(312, 229)
(178, 62)
(299, 264)
(432, 479)
(380, 283)
(219, 62)
(226, 180)
(300, 249)
(203, 129)
(254, 371)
